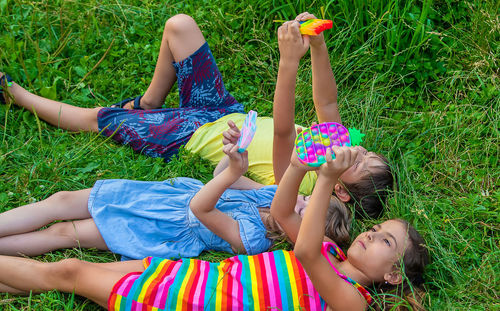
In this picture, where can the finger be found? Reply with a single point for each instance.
(298, 130)
(231, 134)
(284, 28)
(235, 132)
(328, 155)
(305, 41)
(354, 155)
(227, 148)
(305, 16)
(234, 149)
(301, 16)
(231, 124)
(294, 28)
(339, 156)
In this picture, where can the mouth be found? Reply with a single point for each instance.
(362, 244)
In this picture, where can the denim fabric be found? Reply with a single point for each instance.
(139, 219)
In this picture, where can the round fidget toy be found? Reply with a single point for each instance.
(311, 144)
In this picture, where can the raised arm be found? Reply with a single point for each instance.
(230, 136)
(292, 47)
(324, 85)
(285, 199)
(329, 285)
(203, 203)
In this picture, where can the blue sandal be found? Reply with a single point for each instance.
(5, 82)
(137, 103)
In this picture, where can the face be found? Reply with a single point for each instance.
(377, 251)
(301, 205)
(366, 163)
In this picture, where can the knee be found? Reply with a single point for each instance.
(92, 122)
(62, 196)
(62, 275)
(65, 230)
(180, 23)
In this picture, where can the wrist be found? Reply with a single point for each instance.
(289, 63)
(319, 44)
(298, 169)
(328, 178)
(232, 173)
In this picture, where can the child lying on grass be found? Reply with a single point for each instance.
(317, 275)
(206, 106)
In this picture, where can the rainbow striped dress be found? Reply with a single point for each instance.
(273, 280)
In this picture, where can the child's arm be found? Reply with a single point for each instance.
(203, 203)
(283, 205)
(309, 241)
(292, 47)
(230, 136)
(324, 86)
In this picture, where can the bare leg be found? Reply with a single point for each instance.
(59, 114)
(64, 205)
(181, 38)
(81, 233)
(91, 280)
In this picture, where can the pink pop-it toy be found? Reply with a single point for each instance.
(247, 131)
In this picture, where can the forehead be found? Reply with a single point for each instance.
(397, 230)
(373, 160)
(372, 163)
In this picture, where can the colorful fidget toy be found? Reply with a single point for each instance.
(314, 27)
(247, 131)
(311, 144)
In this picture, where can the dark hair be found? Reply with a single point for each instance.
(409, 294)
(369, 194)
(338, 223)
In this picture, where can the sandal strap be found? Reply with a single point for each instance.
(122, 103)
(137, 102)
(6, 77)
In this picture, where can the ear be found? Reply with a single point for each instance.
(393, 278)
(342, 193)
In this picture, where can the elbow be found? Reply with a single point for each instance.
(194, 208)
(302, 253)
(275, 214)
(284, 132)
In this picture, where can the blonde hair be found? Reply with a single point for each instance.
(338, 223)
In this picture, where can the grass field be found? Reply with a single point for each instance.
(419, 77)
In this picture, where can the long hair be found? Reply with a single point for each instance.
(369, 194)
(338, 223)
(409, 294)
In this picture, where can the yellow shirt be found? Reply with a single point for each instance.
(207, 142)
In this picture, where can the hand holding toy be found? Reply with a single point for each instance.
(311, 144)
(247, 131)
(314, 27)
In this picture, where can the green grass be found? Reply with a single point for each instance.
(419, 77)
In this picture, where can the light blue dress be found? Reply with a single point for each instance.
(143, 218)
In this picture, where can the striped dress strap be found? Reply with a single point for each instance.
(339, 254)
